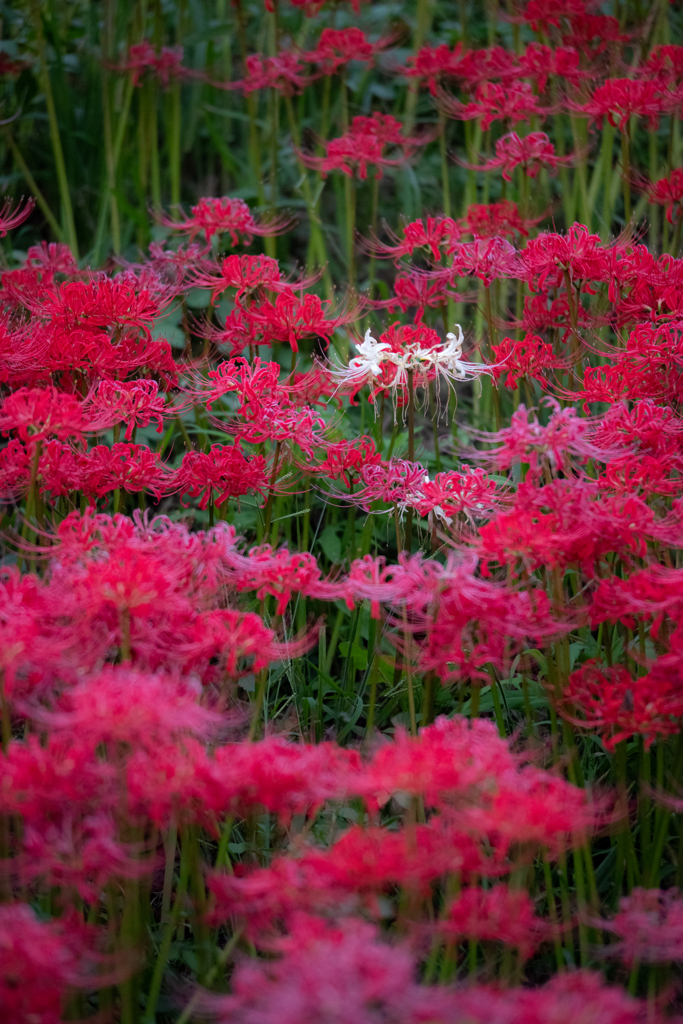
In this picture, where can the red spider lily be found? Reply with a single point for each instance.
(363, 863)
(664, 64)
(618, 706)
(239, 642)
(283, 72)
(540, 62)
(285, 778)
(498, 914)
(511, 103)
(465, 769)
(127, 467)
(415, 288)
(580, 254)
(342, 969)
(9, 220)
(77, 853)
(252, 382)
(472, 68)
(451, 493)
(540, 315)
(40, 961)
(594, 33)
(486, 259)
(276, 573)
(654, 593)
(225, 215)
(346, 459)
(220, 474)
(648, 477)
(433, 63)
(38, 413)
(396, 482)
(10, 67)
(165, 63)
(245, 274)
(314, 387)
(531, 153)
(650, 367)
(668, 192)
(648, 926)
(644, 429)
(52, 258)
(477, 622)
(541, 14)
(364, 144)
(119, 302)
(576, 996)
(373, 580)
(338, 46)
(496, 219)
(563, 523)
(280, 421)
(437, 233)
(119, 705)
(530, 358)
(290, 319)
(24, 616)
(235, 333)
(136, 402)
(620, 99)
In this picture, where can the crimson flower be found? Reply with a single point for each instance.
(126, 467)
(448, 494)
(290, 319)
(165, 62)
(618, 706)
(529, 358)
(668, 192)
(136, 402)
(498, 914)
(9, 220)
(364, 144)
(580, 254)
(283, 72)
(620, 99)
(530, 152)
(224, 471)
(338, 46)
(648, 926)
(496, 219)
(436, 234)
(225, 215)
(511, 103)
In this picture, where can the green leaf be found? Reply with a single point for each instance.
(331, 544)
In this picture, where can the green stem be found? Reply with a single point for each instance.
(169, 932)
(60, 166)
(33, 185)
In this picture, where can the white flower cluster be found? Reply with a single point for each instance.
(426, 364)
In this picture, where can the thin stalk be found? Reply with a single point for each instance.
(445, 180)
(626, 170)
(33, 185)
(422, 26)
(267, 516)
(60, 165)
(169, 932)
(408, 539)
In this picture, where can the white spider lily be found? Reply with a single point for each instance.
(423, 364)
(371, 355)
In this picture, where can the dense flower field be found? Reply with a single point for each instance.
(341, 653)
